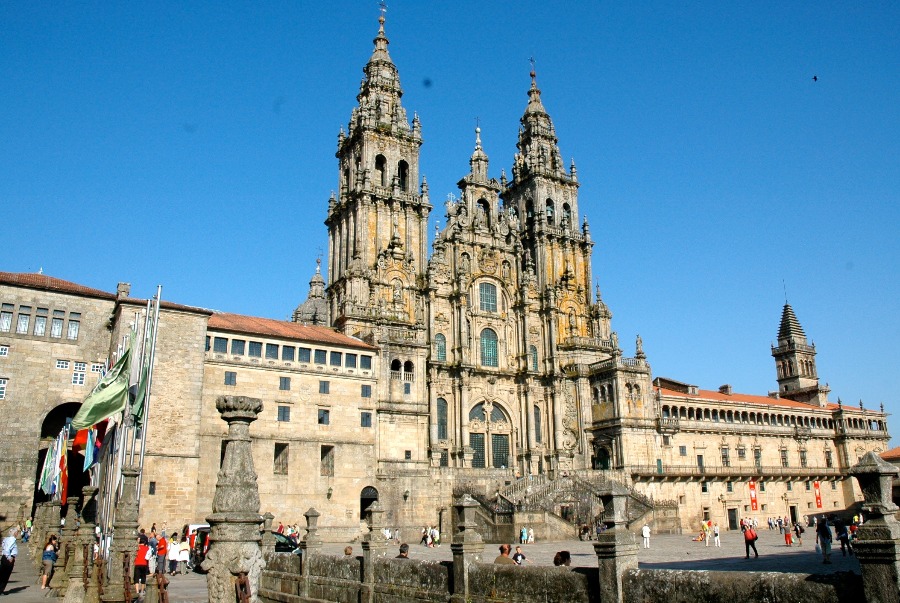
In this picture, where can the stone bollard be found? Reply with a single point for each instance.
(268, 539)
(81, 560)
(466, 546)
(124, 546)
(878, 544)
(234, 560)
(310, 545)
(374, 545)
(616, 550)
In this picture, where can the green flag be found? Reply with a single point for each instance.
(109, 397)
(137, 407)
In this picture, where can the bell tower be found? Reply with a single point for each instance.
(795, 362)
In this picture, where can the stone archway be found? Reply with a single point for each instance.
(366, 498)
(58, 418)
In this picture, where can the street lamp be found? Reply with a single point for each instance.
(724, 510)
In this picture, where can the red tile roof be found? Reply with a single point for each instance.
(279, 328)
(48, 283)
(891, 455)
(715, 396)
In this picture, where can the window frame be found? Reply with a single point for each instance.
(231, 378)
(487, 297)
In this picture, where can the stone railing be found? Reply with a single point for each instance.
(664, 471)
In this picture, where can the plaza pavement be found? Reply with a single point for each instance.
(666, 552)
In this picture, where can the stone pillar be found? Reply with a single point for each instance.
(234, 549)
(268, 539)
(39, 532)
(374, 545)
(60, 581)
(616, 550)
(466, 546)
(123, 547)
(878, 544)
(309, 546)
(81, 562)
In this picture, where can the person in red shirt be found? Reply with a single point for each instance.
(162, 548)
(141, 566)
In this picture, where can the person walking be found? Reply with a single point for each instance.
(48, 558)
(142, 566)
(8, 554)
(716, 535)
(184, 555)
(798, 532)
(645, 532)
(823, 539)
(162, 549)
(843, 535)
(530, 535)
(750, 539)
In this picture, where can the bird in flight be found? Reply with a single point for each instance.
(815, 78)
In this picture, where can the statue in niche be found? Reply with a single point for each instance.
(505, 271)
(464, 264)
(398, 292)
(572, 325)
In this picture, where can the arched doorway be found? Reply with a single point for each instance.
(489, 436)
(366, 498)
(601, 459)
(57, 419)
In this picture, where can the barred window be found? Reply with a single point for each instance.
(488, 297)
(489, 356)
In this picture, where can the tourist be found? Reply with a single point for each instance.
(823, 539)
(707, 530)
(29, 524)
(153, 543)
(798, 532)
(843, 534)
(530, 536)
(141, 566)
(716, 534)
(162, 548)
(184, 555)
(562, 559)
(788, 536)
(645, 532)
(503, 557)
(750, 539)
(48, 558)
(519, 557)
(424, 536)
(523, 535)
(8, 554)
(404, 552)
(348, 551)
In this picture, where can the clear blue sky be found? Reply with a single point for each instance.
(192, 144)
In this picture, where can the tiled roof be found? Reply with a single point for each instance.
(280, 328)
(48, 283)
(790, 327)
(891, 455)
(714, 396)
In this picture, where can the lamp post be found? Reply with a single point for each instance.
(724, 511)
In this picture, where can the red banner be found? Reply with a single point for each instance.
(818, 495)
(754, 505)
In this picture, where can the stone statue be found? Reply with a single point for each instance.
(639, 345)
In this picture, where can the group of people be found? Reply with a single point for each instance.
(843, 530)
(526, 535)
(431, 537)
(159, 554)
(708, 531)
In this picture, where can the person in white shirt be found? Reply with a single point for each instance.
(645, 532)
(716, 535)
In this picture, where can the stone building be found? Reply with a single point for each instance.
(489, 365)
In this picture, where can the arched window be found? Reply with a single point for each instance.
(380, 165)
(529, 209)
(489, 355)
(408, 371)
(395, 364)
(366, 498)
(440, 347)
(567, 214)
(550, 212)
(441, 419)
(403, 175)
(488, 297)
(533, 357)
(537, 424)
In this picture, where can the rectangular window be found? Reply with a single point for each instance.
(803, 458)
(238, 346)
(790, 487)
(6, 318)
(97, 367)
(56, 324)
(4, 351)
(365, 363)
(40, 325)
(255, 349)
(207, 343)
(272, 351)
(445, 458)
(500, 450)
(324, 387)
(74, 325)
(407, 455)
(666, 441)
(729, 487)
(280, 464)
(762, 486)
(833, 484)
(326, 454)
(287, 353)
(80, 366)
(62, 364)
(828, 460)
(808, 486)
(284, 414)
(476, 441)
(220, 345)
(682, 450)
(336, 359)
(303, 354)
(324, 416)
(726, 460)
(365, 419)
(407, 388)
(488, 297)
(757, 457)
(284, 384)
(3, 383)
(704, 487)
(77, 378)
(24, 320)
(320, 356)
(230, 378)
(350, 361)
(151, 489)
(784, 459)
(366, 391)
(742, 453)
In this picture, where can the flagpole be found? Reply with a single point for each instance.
(132, 444)
(146, 410)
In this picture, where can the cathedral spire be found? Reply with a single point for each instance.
(479, 160)
(795, 362)
(790, 329)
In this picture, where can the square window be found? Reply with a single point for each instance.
(287, 353)
(80, 366)
(304, 354)
(284, 384)
(280, 463)
(366, 391)
(77, 378)
(336, 359)
(324, 416)
(365, 363)
(220, 345)
(407, 454)
(3, 383)
(327, 461)
(365, 419)
(284, 414)
(4, 351)
(324, 386)
(97, 367)
(254, 350)
(230, 378)
(238, 346)
(320, 356)
(272, 351)
(682, 450)
(350, 361)
(407, 388)
(62, 364)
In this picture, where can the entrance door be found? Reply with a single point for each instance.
(793, 513)
(732, 519)
(700, 462)
(366, 498)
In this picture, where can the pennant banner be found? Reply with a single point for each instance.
(754, 504)
(818, 495)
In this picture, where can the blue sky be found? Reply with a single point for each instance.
(192, 145)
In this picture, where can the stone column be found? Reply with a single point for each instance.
(81, 562)
(466, 546)
(234, 549)
(123, 547)
(268, 539)
(310, 546)
(616, 550)
(374, 545)
(39, 532)
(60, 581)
(878, 547)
